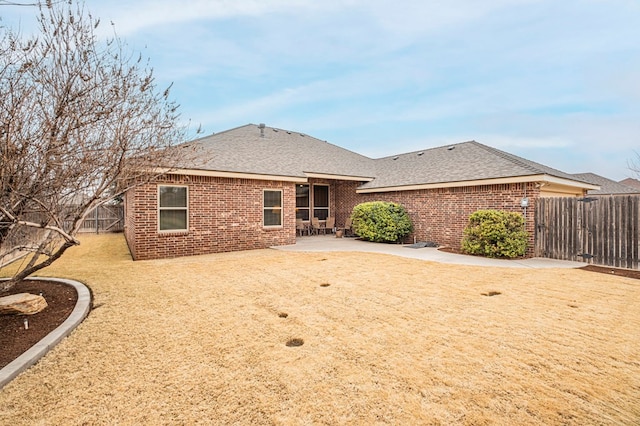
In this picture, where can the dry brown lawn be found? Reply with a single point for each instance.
(202, 340)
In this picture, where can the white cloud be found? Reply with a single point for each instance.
(532, 77)
(131, 17)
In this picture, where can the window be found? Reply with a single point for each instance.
(302, 202)
(172, 208)
(321, 201)
(272, 215)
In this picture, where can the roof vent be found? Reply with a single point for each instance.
(420, 153)
(288, 133)
(261, 126)
(396, 157)
(451, 148)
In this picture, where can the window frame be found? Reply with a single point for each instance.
(308, 206)
(185, 208)
(328, 206)
(264, 208)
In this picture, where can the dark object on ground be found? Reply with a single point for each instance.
(14, 339)
(422, 244)
(292, 343)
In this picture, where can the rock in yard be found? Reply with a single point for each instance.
(22, 303)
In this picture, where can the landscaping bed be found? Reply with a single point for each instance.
(15, 338)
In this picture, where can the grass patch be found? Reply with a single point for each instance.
(405, 341)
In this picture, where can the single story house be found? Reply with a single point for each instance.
(248, 185)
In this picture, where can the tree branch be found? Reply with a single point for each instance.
(67, 237)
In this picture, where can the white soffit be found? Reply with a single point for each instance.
(496, 181)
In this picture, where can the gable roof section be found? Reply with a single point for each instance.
(270, 153)
(607, 186)
(460, 165)
(276, 153)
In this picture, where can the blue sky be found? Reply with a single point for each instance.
(556, 82)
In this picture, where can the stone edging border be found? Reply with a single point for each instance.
(37, 351)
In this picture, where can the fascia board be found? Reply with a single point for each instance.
(338, 177)
(479, 182)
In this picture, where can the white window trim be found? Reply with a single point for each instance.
(265, 208)
(169, 231)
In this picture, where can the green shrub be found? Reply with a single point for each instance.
(495, 233)
(381, 222)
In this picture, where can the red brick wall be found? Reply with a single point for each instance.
(440, 215)
(224, 215)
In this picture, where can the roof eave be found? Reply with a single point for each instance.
(235, 175)
(569, 182)
(543, 178)
(338, 177)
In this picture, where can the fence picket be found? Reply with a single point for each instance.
(601, 230)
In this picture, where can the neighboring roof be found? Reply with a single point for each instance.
(271, 152)
(607, 186)
(276, 152)
(634, 183)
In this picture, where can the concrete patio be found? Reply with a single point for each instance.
(329, 243)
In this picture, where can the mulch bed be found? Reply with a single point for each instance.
(628, 273)
(14, 339)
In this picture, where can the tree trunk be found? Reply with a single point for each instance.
(7, 285)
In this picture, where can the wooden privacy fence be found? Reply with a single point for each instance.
(104, 218)
(601, 230)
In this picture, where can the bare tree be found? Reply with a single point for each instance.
(81, 120)
(634, 164)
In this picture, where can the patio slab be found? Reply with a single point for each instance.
(325, 243)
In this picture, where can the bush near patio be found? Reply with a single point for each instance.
(381, 221)
(495, 233)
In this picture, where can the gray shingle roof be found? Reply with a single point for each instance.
(607, 186)
(460, 162)
(279, 152)
(273, 151)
